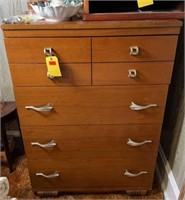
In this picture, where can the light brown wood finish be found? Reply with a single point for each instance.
(117, 49)
(92, 123)
(32, 50)
(93, 115)
(86, 6)
(100, 172)
(91, 32)
(117, 73)
(82, 25)
(36, 75)
(105, 141)
(90, 105)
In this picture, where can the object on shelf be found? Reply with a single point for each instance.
(57, 10)
(22, 19)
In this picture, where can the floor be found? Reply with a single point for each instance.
(20, 187)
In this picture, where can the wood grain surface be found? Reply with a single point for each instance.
(117, 49)
(99, 141)
(91, 105)
(82, 173)
(36, 75)
(117, 73)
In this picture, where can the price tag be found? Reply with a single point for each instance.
(53, 66)
(143, 3)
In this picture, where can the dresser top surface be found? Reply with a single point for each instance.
(44, 25)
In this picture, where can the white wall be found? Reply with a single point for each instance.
(8, 8)
(178, 166)
(177, 153)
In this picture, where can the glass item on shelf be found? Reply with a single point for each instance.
(57, 10)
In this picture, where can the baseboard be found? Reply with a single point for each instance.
(168, 183)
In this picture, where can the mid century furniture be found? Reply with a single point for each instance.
(96, 128)
(8, 115)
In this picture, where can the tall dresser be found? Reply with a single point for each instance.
(96, 128)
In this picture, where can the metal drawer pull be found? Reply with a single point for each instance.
(134, 50)
(47, 145)
(53, 175)
(48, 51)
(132, 73)
(134, 106)
(49, 76)
(45, 108)
(127, 173)
(134, 144)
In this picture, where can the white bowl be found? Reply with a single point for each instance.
(59, 13)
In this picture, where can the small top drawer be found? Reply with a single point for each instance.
(31, 50)
(36, 75)
(140, 48)
(134, 73)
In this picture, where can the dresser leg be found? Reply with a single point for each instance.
(47, 193)
(136, 192)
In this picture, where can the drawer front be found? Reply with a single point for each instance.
(91, 105)
(102, 172)
(131, 73)
(31, 50)
(117, 49)
(91, 141)
(36, 75)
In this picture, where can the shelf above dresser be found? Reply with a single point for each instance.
(128, 10)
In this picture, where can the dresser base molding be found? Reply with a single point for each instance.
(136, 192)
(57, 193)
(47, 193)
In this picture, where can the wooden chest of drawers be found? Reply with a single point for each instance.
(98, 127)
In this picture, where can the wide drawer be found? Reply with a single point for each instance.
(31, 50)
(90, 105)
(36, 75)
(131, 73)
(91, 141)
(117, 49)
(102, 172)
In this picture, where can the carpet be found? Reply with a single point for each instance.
(20, 187)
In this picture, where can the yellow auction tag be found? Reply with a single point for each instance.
(53, 66)
(143, 3)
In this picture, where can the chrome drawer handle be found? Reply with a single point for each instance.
(53, 175)
(48, 51)
(134, 50)
(127, 173)
(134, 144)
(49, 76)
(134, 106)
(47, 145)
(45, 108)
(132, 73)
